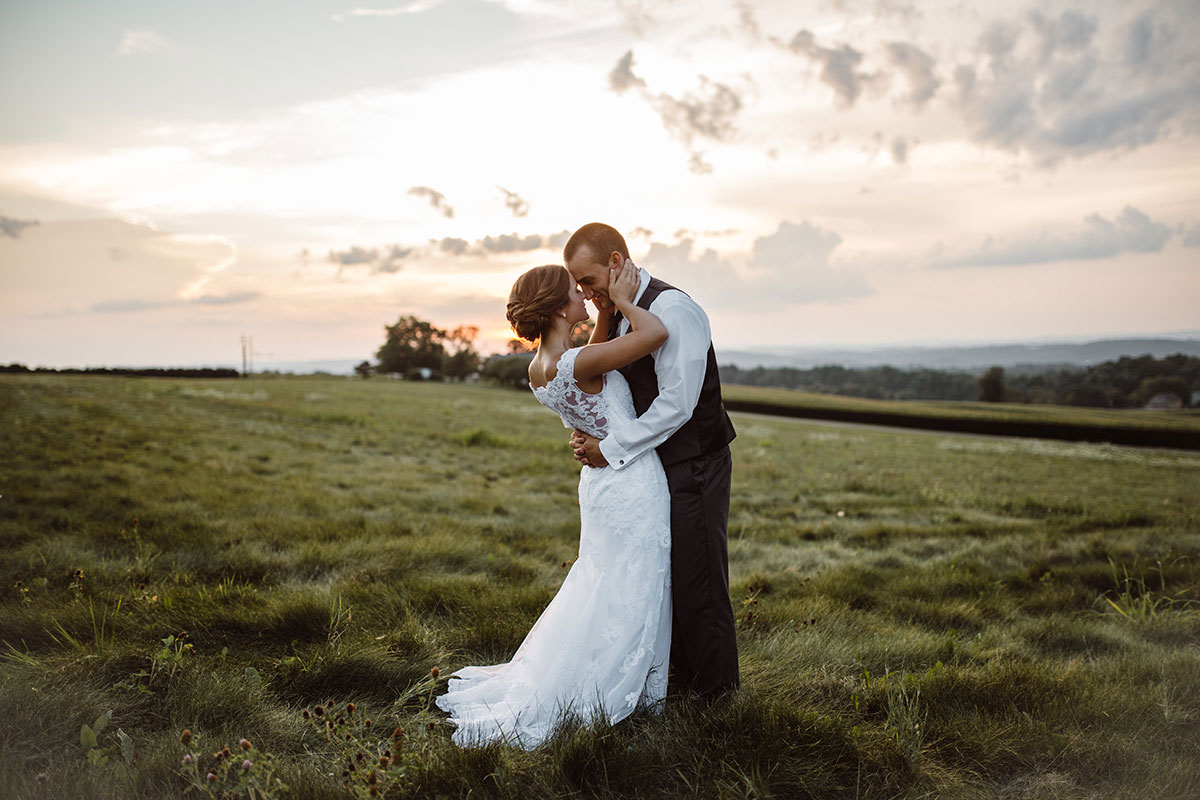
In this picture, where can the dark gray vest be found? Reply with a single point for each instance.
(709, 428)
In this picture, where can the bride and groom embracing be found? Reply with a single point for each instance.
(650, 587)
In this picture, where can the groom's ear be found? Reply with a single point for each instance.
(615, 260)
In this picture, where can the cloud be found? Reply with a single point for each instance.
(514, 202)
(388, 262)
(453, 245)
(917, 67)
(12, 227)
(1133, 231)
(1070, 31)
(1191, 236)
(353, 256)
(790, 267)
(391, 262)
(133, 305)
(436, 199)
(900, 147)
(510, 243)
(416, 7)
(707, 113)
(621, 77)
(794, 265)
(1052, 87)
(838, 66)
(141, 41)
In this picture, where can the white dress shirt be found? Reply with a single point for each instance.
(679, 364)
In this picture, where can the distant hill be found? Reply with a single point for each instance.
(972, 358)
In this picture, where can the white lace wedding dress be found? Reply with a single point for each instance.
(601, 647)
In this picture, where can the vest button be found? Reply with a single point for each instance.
(621, 461)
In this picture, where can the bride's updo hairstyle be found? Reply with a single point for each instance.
(536, 297)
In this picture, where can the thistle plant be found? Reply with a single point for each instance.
(230, 772)
(373, 760)
(76, 585)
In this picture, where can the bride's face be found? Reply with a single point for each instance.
(576, 309)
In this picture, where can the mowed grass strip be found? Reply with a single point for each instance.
(919, 615)
(1171, 429)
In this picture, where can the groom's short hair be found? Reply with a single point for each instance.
(601, 240)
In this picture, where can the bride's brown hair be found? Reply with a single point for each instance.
(535, 297)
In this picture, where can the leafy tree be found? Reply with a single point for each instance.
(411, 344)
(461, 359)
(510, 370)
(363, 370)
(991, 386)
(516, 346)
(1160, 384)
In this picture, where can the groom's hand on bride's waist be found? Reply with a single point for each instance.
(587, 450)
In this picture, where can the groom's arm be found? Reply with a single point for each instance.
(679, 365)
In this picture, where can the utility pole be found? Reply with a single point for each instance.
(245, 355)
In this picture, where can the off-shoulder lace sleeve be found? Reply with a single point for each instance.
(577, 408)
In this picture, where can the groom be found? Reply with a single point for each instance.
(677, 396)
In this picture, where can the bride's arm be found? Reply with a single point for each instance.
(647, 333)
(603, 322)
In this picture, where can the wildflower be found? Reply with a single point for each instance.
(371, 777)
(434, 673)
(319, 711)
(383, 761)
(345, 773)
(226, 752)
(186, 736)
(367, 724)
(431, 725)
(246, 764)
(306, 714)
(341, 720)
(245, 744)
(360, 756)
(211, 777)
(41, 778)
(19, 584)
(187, 758)
(373, 791)
(77, 574)
(350, 707)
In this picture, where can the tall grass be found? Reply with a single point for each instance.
(919, 616)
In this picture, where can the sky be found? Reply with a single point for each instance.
(174, 176)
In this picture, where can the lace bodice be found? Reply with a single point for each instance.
(590, 413)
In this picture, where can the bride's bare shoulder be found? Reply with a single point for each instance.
(542, 369)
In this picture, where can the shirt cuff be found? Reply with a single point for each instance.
(613, 453)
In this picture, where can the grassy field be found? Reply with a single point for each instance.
(920, 615)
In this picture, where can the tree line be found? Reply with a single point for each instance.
(1127, 382)
(134, 372)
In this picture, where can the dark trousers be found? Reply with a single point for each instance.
(703, 635)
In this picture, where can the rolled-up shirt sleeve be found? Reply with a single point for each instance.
(679, 365)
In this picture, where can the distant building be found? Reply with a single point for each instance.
(1165, 400)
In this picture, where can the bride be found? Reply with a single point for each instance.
(600, 648)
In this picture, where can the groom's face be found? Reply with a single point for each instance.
(591, 274)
